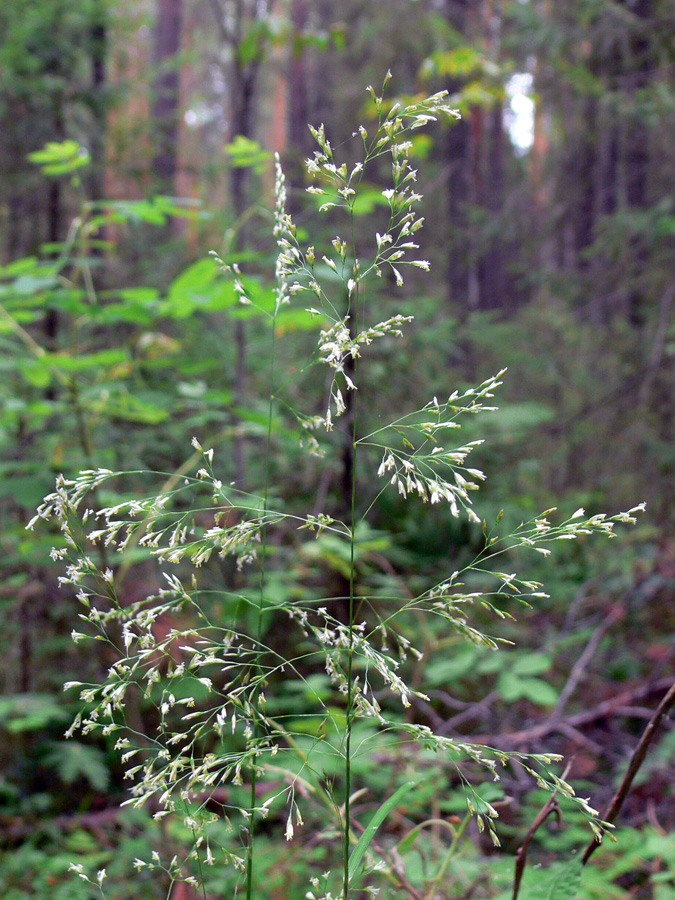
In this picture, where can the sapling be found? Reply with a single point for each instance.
(215, 683)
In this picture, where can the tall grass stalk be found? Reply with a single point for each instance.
(205, 675)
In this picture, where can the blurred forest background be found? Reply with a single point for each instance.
(137, 136)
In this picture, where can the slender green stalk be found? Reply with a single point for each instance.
(259, 671)
(457, 836)
(200, 868)
(352, 576)
(350, 660)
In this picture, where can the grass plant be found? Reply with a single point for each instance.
(218, 658)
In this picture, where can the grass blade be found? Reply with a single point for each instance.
(379, 817)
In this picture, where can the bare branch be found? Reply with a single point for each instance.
(614, 706)
(551, 806)
(580, 666)
(636, 761)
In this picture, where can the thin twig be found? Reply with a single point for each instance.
(653, 820)
(636, 761)
(581, 739)
(634, 712)
(581, 595)
(581, 664)
(613, 706)
(476, 710)
(658, 347)
(551, 806)
(448, 699)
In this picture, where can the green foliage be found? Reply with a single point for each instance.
(61, 158)
(555, 263)
(43, 865)
(560, 882)
(73, 760)
(246, 153)
(30, 712)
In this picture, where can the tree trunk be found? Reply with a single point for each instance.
(166, 103)
(99, 46)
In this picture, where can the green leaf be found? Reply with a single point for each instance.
(37, 372)
(181, 207)
(446, 671)
(195, 278)
(512, 687)
(364, 841)
(532, 664)
(71, 301)
(26, 490)
(131, 408)
(60, 158)
(129, 311)
(558, 883)
(30, 712)
(19, 267)
(245, 153)
(367, 200)
(509, 687)
(198, 288)
(139, 294)
(73, 760)
(137, 305)
(80, 362)
(33, 284)
(252, 45)
(408, 842)
(460, 61)
(290, 320)
(133, 211)
(537, 691)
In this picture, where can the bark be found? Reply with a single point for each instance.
(166, 103)
(456, 153)
(637, 160)
(475, 153)
(581, 171)
(491, 270)
(99, 46)
(243, 78)
(300, 145)
(298, 111)
(457, 156)
(54, 235)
